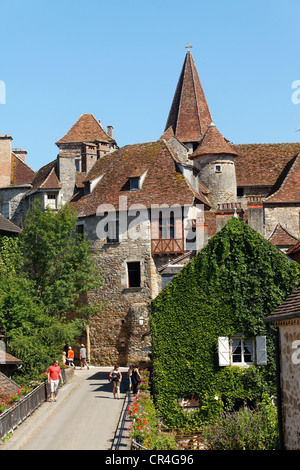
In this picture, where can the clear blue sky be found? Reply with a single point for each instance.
(121, 60)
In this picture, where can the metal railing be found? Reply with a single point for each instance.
(14, 416)
(11, 418)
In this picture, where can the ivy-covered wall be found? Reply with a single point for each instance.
(238, 279)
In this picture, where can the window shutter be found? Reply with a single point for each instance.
(223, 347)
(261, 350)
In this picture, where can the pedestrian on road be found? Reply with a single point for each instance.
(129, 376)
(116, 377)
(136, 378)
(70, 357)
(54, 374)
(82, 354)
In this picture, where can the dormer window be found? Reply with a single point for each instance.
(134, 184)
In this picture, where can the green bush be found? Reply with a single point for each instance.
(244, 430)
(230, 286)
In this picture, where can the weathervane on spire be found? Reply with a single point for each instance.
(188, 46)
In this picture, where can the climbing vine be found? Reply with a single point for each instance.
(230, 286)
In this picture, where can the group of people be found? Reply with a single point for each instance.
(115, 375)
(133, 376)
(68, 358)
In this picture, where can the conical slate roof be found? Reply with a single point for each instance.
(213, 143)
(189, 116)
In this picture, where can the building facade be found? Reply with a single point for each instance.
(149, 207)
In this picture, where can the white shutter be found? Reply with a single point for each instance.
(261, 350)
(224, 354)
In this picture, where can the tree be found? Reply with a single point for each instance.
(44, 276)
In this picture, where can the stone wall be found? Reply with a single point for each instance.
(116, 335)
(290, 381)
(285, 214)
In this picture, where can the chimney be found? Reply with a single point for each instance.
(110, 131)
(20, 153)
(5, 160)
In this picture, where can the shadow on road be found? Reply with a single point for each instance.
(102, 384)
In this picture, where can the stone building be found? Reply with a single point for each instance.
(15, 181)
(287, 319)
(200, 176)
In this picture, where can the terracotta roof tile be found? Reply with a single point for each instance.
(21, 173)
(281, 237)
(46, 178)
(86, 129)
(189, 114)
(7, 226)
(162, 183)
(213, 143)
(287, 187)
(261, 164)
(290, 308)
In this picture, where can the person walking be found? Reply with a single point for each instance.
(116, 377)
(70, 357)
(82, 354)
(136, 378)
(54, 374)
(129, 376)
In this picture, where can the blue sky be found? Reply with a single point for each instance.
(121, 60)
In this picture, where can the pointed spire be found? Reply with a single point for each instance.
(189, 116)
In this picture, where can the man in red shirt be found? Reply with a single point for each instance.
(54, 374)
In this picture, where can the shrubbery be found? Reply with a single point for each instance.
(245, 429)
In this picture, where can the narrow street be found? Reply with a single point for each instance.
(85, 416)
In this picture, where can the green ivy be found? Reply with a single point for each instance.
(230, 286)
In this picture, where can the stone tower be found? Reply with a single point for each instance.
(215, 159)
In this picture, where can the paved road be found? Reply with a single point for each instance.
(85, 417)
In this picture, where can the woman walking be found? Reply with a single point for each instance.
(135, 378)
(116, 377)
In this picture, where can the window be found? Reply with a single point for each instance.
(240, 191)
(112, 228)
(242, 351)
(78, 164)
(5, 210)
(134, 274)
(167, 226)
(80, 230)
(134, 184)
(51, 201)
(218, 169)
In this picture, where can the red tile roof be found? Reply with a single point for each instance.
(287, 187)
(21, 173)
(213, 143)
(261, 164)
(281, 237)
(162, 183)
(6, 226)
(86, 129)
(46, 178)
(289, 309)
(189, 116)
